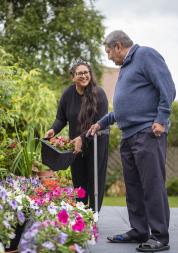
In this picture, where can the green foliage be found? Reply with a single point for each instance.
(36, 103)
(24, 100)
(172, 186)
(121, 201)
(8, 152)
(65, 177)
(173, 133)
(28, 152)
(114, 138)
(49, 34)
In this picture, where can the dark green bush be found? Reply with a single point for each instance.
(173, 133)
(172, 186)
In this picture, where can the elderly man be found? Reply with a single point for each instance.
(142, 102)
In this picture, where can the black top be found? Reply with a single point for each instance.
(69, 108)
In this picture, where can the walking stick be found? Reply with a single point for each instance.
(101, 132)
(96, 174)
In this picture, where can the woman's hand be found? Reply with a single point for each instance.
(50, 133)
(77, 144)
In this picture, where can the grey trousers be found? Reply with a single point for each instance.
(143, 157)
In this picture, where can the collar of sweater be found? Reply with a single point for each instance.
(131, 52)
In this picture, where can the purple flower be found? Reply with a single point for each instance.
(13, 204)
(30, 234)
(78, 249)
(52, 210)
(1, 207)
(63, 237)
(21, 217)
(6, 224)
(36, 225)
(38, 212)
(29, 251)
(34, 206)
(10, 180)
(3, 193)
(34, 181)
(23, 245)
(48, 245)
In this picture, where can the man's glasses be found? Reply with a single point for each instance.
(80, 74)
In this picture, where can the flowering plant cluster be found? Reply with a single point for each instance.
(61, 143)
(14, 205)
(11, 214)
(53, 210)
(69, 229)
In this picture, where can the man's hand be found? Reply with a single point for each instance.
(77, 144)
(93, 129)
(158, 129)
(50, 133)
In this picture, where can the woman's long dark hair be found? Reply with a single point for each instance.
(88, 109)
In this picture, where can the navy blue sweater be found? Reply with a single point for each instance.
(143, 94)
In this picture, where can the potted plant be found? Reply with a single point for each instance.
(57, 153)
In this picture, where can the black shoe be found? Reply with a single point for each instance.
(152, 245)
(124, 238)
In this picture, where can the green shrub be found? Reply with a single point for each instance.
(29, 152)
(172, 187)
(173, 133)
(25, 101)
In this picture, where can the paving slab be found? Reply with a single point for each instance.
(114, 220)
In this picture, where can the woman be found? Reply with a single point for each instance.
(82, 104)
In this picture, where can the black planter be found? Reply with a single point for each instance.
(54, 158)
(15, 242)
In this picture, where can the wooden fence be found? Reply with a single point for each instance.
(114, 162)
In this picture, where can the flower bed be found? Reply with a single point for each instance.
(52, 209)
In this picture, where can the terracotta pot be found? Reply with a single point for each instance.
(46, 174)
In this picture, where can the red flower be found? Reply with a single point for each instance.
(63, 216)
(13, 145)
(81, 192)
(39, 191)
(79, 224)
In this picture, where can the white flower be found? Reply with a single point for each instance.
(34, 206)
(6, 224)
(52, 209)
(19, 198)
(81, 206)
(95, 216)
(66, 206)
(11, 235)
(92, 241)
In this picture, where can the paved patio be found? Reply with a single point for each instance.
(114, 220)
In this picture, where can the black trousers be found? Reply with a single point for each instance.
(83, 170)
(143, 158)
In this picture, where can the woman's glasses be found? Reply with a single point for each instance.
(80, 74)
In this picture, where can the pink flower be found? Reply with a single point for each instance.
(79, 224)
(81, 192)
(95, 232)
(56, 191)
(40, 201)
(63, 216)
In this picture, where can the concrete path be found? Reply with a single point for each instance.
(114, 220)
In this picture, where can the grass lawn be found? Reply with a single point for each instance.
(120, 201)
